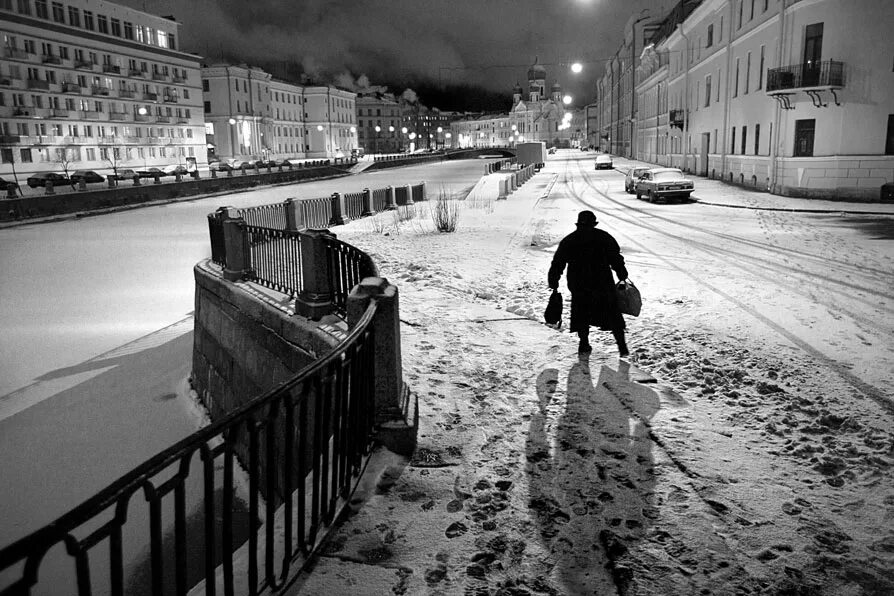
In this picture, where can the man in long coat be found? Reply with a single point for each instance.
(590, 255)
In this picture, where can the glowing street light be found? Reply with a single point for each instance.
(567, 100)
(320, 127)
(576, 67)
(404, 130)
(378, 129)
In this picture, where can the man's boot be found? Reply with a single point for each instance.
(622, 343)
(584, 346)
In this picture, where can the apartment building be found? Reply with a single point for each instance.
(380, 123)
(331, 119)
(793, 96)
(89, 84)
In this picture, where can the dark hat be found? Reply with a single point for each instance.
(586, 218)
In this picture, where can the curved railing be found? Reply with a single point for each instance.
(308, 440)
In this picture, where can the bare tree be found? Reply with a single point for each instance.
(113, 156)
(65, 157)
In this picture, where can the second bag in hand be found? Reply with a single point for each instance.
(629, 300)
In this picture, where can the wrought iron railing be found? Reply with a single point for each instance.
(218, 245)
(354, 204)
(267, 216)
(401, 195)
(275, 259)
(347, 268)
(316, 213)
(797, 76)
(302, 447)
(380, 199)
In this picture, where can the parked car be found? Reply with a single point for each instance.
(632, 175)
(175, 169)
(151, 173)
(42, 178)
(88, 176)
(124, 174)
(7, 185)
(663, 184)
(551, 150)
(604, 161)
(219, 166)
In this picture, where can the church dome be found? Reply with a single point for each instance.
(537, 71)
(556, 87)
(517, 89)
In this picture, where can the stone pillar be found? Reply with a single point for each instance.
(423, 193)
(82, 184)
(409, 194)
(48, 188)
(390, 199)
(395, 413)
(213, 172)
(504, 192)
(136, 179)
(178, 177)
(237, 248)
(112, 182)
(367, 203)
(338, 210)
(157, 179)
(294, 214)
(513, 182)
(230, 172)
(315, 299)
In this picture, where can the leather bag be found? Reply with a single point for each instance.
(553, 313)
(629, 300)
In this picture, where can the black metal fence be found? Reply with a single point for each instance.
(308, 441)
(347, 267)
(266, 216)
(829, 73)
(216, 233)
(275, 259)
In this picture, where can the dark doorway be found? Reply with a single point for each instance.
(804, 132)
(813, 52)
(889, 139)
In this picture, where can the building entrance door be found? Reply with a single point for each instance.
(703, 160)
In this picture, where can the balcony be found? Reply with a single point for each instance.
(111, 68)
(57, 113)
(159, 76)
(163, 119)
(90, 115)
(10, 139)
(5, 82)
(50, 59)
(99, 90)
(134, 72)
(72, 88)
(178, 79)
(71, 140)
(182, 120)
(16, 54)
(676, 118)
(823, 75)
(126, 93)
(150, 96)
(83, 64)
(118, 116)
(108, 140)
(38, 84)
(170, 99)
(143, 118)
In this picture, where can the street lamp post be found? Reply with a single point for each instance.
(378, 130)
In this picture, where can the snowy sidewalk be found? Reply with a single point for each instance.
(715, 192)
(541, 473)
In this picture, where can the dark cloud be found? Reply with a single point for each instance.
(477, 43)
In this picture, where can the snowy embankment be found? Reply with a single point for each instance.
(749, 467)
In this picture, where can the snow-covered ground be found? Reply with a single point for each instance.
(758, 463)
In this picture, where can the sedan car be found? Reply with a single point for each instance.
(88, 176)
(632, 175)
(175, 169)
(604, 161)
(124, 174)
(41, 179)
(663, 184)
(8, 185)
(151, 173)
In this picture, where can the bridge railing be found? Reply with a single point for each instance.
(319, 424)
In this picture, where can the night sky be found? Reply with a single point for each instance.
(456, 54)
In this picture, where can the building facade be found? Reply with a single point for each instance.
(786, 95)
(250, 115)
(92, 85)
(379, 123)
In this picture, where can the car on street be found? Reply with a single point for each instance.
(88, 176)
(632, 175)
(663, 184)
(219, 166)
(41, 179)
(123, 174)
(173, 170)
(8, 185)
(604, 161)
(151, 173)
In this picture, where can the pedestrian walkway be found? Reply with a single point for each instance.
(716, 192)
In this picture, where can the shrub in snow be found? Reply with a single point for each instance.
(445, 213)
